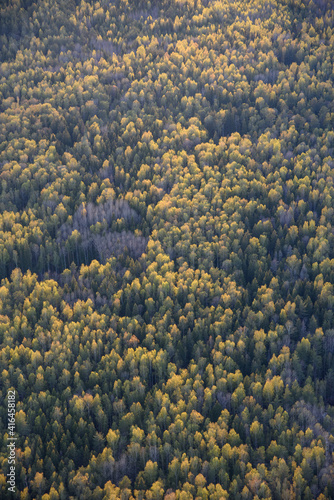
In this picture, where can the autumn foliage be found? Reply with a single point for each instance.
(166, 248)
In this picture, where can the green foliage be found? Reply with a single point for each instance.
(166, 248)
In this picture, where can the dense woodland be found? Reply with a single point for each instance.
(167, 248)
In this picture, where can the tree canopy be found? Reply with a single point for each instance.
(166, 248)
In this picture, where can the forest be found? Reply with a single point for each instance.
(167, 249)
